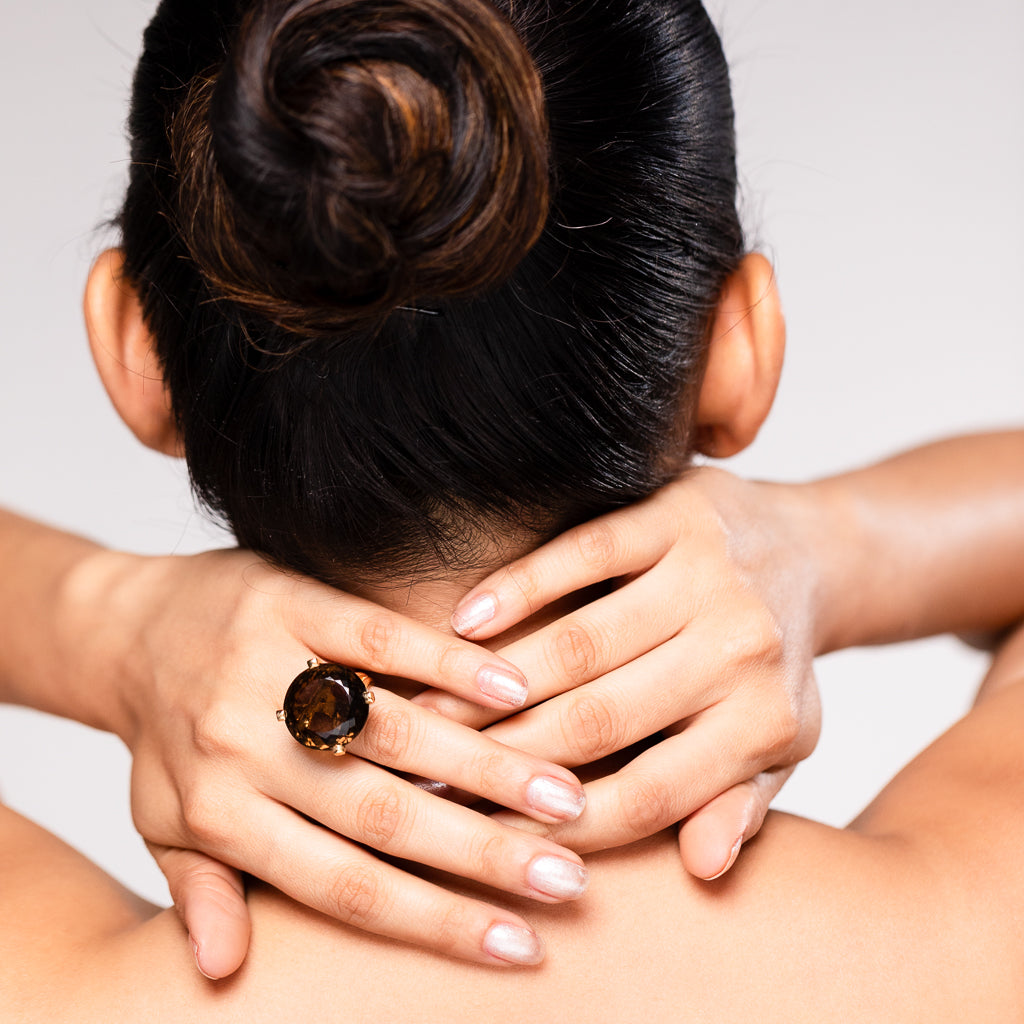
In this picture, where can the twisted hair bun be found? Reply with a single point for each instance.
(352, 156)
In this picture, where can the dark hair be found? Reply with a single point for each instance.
(402, 291)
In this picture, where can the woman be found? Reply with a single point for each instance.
(40, 559)
(747, 290)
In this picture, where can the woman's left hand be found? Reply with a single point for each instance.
(707, 638)
(187, 658)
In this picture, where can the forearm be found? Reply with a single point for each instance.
(53, 622)
(927, 542)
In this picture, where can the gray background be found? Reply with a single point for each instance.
(882, 151)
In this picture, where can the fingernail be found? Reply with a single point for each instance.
(733, 854)
(513, 944)
(199, 963)
(468, 618)
(556, 798)
(502, 684)
(559, 878)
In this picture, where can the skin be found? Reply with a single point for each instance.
(796, 571)
(776, 560)
(281, 671)
(813, 924)
(719, 545)
(185, 811)
(109, 943)
(742, 370)
(109, 606)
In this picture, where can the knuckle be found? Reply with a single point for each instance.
(213, 728)
(355, 895)
(780, 730)
(250, 604)
(525, 579)
(757, 643)
(595, 543)
(487, 854)
(377, 639)
(216, 889)
(449, 927)
(492, 772)
(576, 653)
(590, 729)
(202, 879)
(766, 640)
(646, 807)
(203, 817)
(808, 727)
(450, 659)
(390, 735)
(379, 817)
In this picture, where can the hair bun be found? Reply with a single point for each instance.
(352, 156)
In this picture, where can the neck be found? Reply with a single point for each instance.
(432, 601)
(432, 596)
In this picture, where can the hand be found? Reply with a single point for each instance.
(706, 637)
(219, 786)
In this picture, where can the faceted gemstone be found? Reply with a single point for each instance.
(326, 706)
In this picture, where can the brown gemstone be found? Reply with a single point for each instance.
(326, 706)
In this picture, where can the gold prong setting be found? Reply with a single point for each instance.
(327, 705)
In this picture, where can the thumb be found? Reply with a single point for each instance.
(710, 839)
(210, 899)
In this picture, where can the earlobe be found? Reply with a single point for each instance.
(122, 348)
(744, 361)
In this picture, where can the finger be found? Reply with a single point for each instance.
(603, 635)
(210, 898)
(613, 545)
(590, 642)
(350, 884)
(371, 806)
(658, 788)
(628, 705)
(411, 739)
(355, 632)
(732, 669)
(711, 838)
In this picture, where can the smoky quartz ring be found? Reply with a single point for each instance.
(327, 705)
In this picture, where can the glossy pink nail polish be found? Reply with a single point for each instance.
(555, 798)
(502, 684)
(512, 944)
(557, 877)
(468, 618)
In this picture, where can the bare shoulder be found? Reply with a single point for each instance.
(911, 914)
(815, 925)
(54, 906)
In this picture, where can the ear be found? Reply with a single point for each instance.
(122, 348)
(744, 361)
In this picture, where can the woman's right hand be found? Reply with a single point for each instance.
(705, 639)
(722, 593)
(219, 786)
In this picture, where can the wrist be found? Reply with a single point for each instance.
(857, 595)
(819, 538)
(98, 605)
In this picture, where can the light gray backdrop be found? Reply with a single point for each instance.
(882, 153)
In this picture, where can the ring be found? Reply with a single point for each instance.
(327, 705)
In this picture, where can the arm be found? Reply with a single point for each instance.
(187, 659)
(923, 543)
(727, 589)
